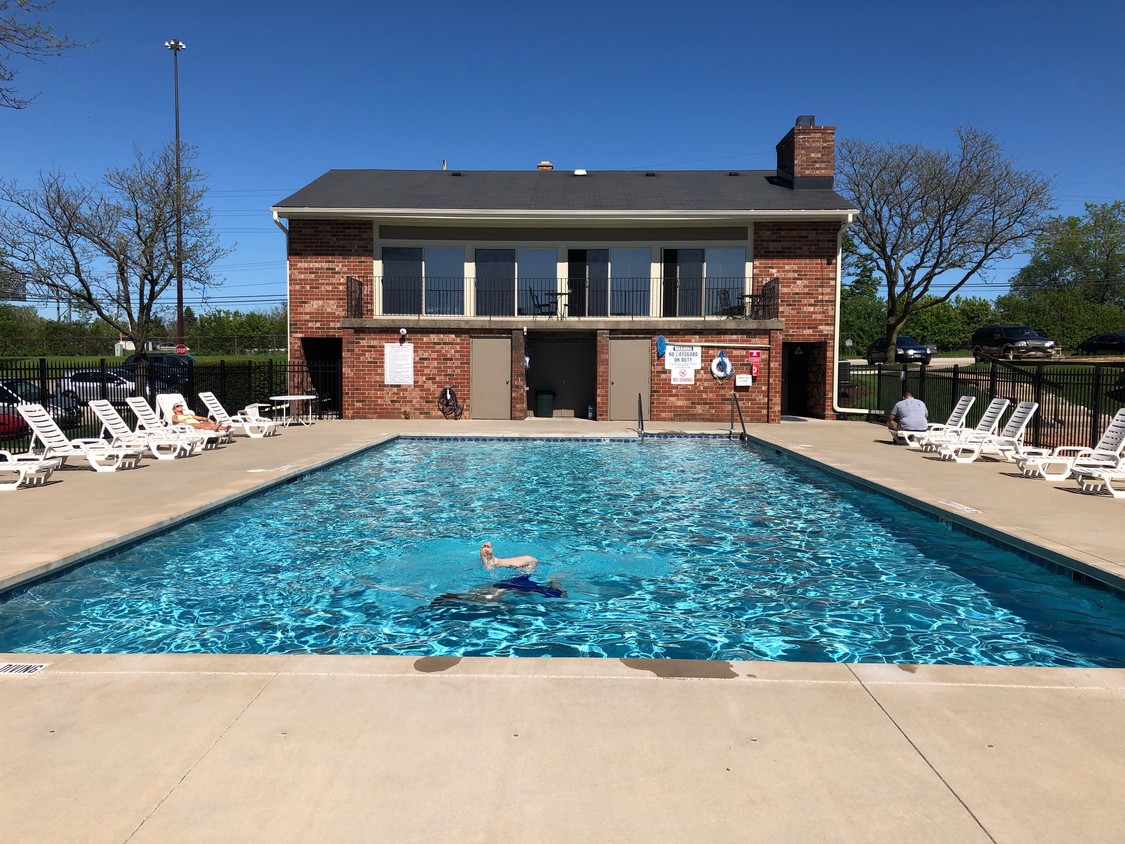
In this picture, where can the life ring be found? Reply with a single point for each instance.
(721, 367)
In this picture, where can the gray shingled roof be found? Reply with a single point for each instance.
(557, 191)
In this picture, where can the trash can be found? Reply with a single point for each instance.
(545, 403)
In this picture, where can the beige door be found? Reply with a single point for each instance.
(630, 374)
(490, 378)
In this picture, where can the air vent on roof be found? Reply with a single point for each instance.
(455, 173)
(579, 172)
(734, 173)
(650, 173)
(21, 667)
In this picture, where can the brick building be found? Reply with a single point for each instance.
(553, 292)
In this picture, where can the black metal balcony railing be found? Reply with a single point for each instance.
(574, 298)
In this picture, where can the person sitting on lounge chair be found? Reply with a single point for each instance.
(524, 562)
(181, 416)
(910, 414)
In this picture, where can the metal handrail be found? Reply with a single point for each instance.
(640, 416)
(735, 404)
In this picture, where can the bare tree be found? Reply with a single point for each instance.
(112, 249)
(22, 36)
(937, 218)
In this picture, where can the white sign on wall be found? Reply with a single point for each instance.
(680, 357)
(683, 375)
(398, 363)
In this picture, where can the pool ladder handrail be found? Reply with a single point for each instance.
(640, 416)
(735, 404)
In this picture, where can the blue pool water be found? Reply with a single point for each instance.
(678, 548)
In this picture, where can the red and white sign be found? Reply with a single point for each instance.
(754, 356)
(683, 375)
(181, 349)
(754, 369)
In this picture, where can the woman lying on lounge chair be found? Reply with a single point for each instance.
(181, 416)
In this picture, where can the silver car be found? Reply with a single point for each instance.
(84, 385)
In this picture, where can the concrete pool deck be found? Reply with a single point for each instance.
(298, 748)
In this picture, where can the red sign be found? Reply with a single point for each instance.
(754, 369)
(181, 349)
(754, 356)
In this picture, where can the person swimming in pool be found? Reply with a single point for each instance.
(525, 562)
(519, 584)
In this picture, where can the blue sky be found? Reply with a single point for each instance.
(274, 94)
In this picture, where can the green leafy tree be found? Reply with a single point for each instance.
(1065, 315)
(930, 220)
(113, 248)
(862, 311)
(949, 325)
(1084, 254)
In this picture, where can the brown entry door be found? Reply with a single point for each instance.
(490, 378)
(630, 374)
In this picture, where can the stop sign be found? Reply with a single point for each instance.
(181, 349)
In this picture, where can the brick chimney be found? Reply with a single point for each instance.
(806, 157)
(544, 166)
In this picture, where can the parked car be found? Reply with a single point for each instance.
(1010, 342)
(907, 350)
(84, 385)
(173, 370)
(1108, 344)
(16, 391)
(11, 425)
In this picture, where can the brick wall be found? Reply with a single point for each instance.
(322, 254)
(802, 259)
(709, 399)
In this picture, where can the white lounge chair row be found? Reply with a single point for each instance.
(119, 446)
(1097, 469)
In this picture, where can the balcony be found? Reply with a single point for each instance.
(562, 299)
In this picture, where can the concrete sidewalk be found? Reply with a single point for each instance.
(297, 748)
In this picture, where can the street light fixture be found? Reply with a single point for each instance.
(176, 45)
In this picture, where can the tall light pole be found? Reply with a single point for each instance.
(175, 45)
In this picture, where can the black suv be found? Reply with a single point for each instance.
(907, 350)
(1010, 342)
(173, 370)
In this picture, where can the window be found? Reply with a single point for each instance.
(609, 282)
(423, 281)
(703, 282)
(507, 277)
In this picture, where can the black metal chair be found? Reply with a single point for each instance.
(541, 308)
(726, 307)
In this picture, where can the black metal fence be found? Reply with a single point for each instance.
(66, 388)
(1076, 401)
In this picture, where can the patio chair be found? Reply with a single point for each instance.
(165, 405)
(163, 445)
(726, 307)
(541, 307)
(1057, 465)
(18, 470)
(956, 421)
(1096, 480)
(101, 456)
(985, 427)
(147, 420)
(972, 446)
(248, 419)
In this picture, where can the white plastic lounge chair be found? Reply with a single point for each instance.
(101, 456)
(18, 470)
(165, 402)
(985, 427)
(252, 424)
(956, 421)
(1058, 465)
(147, 420)
(972, 446)
(1096, 480)
(163, 445)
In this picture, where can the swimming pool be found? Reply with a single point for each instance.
(676, 548)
